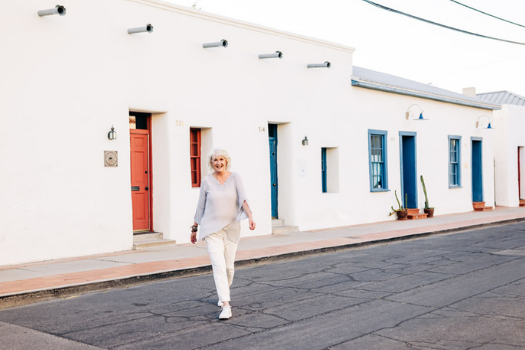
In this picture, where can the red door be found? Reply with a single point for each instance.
(139, 141)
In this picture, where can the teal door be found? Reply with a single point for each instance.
(408, 169)
(323, 170)
(477, 173)
(272, 135)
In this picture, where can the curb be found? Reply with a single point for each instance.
(31, 297)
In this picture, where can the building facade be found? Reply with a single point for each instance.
(317, 147)
(509, 143)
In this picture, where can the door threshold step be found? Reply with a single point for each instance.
(483, 209)
(153, 243)
(478, 205)
(284, 229)
(277, 222)
(146, 236)
(522, 202)
(417, 216)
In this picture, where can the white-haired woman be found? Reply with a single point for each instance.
(221, 207)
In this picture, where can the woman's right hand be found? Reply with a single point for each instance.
(193, 237)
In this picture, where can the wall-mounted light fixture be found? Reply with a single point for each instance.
(112, 135)
(305, 141)
(58, 10)
(277, 54)
(319, 65)
(481, 124)
(148, 28)
(409, 114)
(222, 43)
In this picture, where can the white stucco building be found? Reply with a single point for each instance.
(509, 146)
(66, 80)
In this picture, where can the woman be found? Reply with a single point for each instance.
(222, 204)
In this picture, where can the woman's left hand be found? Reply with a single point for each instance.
(252, 224)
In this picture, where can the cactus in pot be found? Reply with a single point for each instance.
(428, 209)
(401, 211)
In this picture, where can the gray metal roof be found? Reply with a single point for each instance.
(502, 98)
(370, 79)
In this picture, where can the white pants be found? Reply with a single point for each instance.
(222, 255)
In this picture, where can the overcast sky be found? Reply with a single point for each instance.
(395, 44)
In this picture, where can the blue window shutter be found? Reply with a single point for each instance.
(454, 161)
(323, 169)
(377, 159)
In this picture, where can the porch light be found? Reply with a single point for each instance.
(58, 10)
(409, 113)
(147, 28)
(481, 124)
(277, 54)
(305, 141)
(112, 135)
(326, 64)
(222, 43)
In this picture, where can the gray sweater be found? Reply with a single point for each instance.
(220, 206)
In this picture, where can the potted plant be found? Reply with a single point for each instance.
(401, 211)
(428, 210)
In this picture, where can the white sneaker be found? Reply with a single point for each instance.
(219, 303)
(226, 313)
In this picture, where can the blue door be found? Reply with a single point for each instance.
(477, 173)
(408, 169)
(272, 133)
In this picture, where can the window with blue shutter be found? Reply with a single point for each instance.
(454, 161)
(377, 160)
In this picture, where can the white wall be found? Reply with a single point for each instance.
(508, 122)
(370, 109)
(59, 99)
(69, 79)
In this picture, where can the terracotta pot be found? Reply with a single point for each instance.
(402, 214)
(429, 211)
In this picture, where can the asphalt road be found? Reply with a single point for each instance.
(458, 291)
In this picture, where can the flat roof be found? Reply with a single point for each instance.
(191, 12)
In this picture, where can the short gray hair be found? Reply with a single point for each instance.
(222, 153)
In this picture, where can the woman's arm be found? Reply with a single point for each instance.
(243, 202)
(248, 212)
(201, 204)
(199, 212)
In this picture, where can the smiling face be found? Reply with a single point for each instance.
(219, 163)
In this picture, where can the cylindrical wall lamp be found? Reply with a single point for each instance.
(305, 141)
(112, 135)
(319, 65)
(58, 10)
(277, 54)
(147, 28)
(222, 43)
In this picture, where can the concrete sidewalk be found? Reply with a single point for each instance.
(27, 283)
